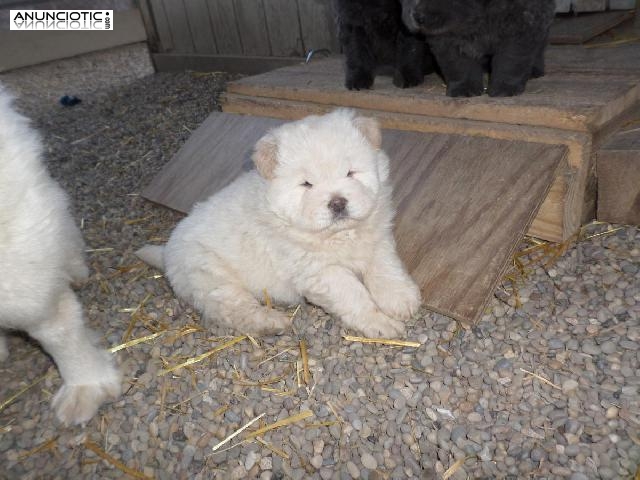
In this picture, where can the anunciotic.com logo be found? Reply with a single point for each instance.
(61, 20)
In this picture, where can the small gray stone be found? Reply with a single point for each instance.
(368, 461)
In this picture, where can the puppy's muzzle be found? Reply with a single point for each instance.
(338, 206)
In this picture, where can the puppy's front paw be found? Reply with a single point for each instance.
(377, 325)
(400, 300)
(76, 404)
(359, 79)
(503, 89)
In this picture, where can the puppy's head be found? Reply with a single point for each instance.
(436, 17)
(324, 172)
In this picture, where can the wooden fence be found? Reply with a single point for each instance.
(237, 35)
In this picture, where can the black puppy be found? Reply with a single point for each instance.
(507, 38)
(372, 35)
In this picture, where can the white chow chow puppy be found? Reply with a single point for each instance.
(314, 221)
(41, 253)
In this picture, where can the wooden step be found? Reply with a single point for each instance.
(618, 172)
(463, 202)
(564, 107)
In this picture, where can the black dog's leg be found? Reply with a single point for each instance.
(410, 56)
(463, 75)
(361, 61)
(538, 62)
(511, 67)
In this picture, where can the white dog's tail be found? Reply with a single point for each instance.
(153, 255)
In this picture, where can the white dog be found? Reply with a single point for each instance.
(314, 221)
(41, 253)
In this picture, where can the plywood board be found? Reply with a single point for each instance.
(568, 101)
(605, 59)
(576, 29)
(463, 203)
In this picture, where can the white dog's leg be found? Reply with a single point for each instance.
(340, 292)
(391, 287)
(237, 308)
(88, 373)
(4, 349)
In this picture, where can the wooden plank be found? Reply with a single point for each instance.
(165, 40)
(214, 155)
(24, 48)
(225, 29)
(623, 59)
(562, 212)
(179, 25)
(318, 25)
(463, 203)
(283, 26)
(576, 29)
(201, 30)
(252, 27)
(588, 5)
(618, 168)
(168, 62)
(568, 101)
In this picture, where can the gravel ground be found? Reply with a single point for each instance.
(545, 390)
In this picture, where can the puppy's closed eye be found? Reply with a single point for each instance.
(350, 173)
(306, 184)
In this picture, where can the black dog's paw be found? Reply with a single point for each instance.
(464, 89)
(501, 89)
(359, 80)
(407, 79)
(537, 72)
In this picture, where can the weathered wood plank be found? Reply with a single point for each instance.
(248, 65)
(225, 29)
(253, 32)
(179, 25)
(463, 203)
(283, 26)
(200, 27)
(318, 25)
(566, 101)
(165, 40)
(618, 169)
(578, 29)
(621, 60)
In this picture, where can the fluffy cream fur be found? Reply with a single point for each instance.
(41, 253)
(314, 221)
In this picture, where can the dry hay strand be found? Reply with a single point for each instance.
(269, 446)
(237, 432)
(382, 341)
(281, 423)
(306, 375)
(19, 393)
(542, 379)
(44, 446)
(203, 356)
(115, 462)
(454, 468)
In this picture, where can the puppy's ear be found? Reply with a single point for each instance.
(370, 128)
(265, 156)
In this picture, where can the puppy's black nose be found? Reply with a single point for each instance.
(338, 205)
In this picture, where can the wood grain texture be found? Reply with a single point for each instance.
(252, 27)
(577, 29)
(161, 22)
(318, 25)
(283, 25)
(225, 28)
(179, 25)
(568, 101)
(463, 203)
(618, 173)
(201, 31)
(619, 60)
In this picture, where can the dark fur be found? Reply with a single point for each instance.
(504, 37)
(372, 36)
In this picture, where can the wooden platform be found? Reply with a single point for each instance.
(576, 29)
(618, 167)
(564, 107)
(463, 203)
